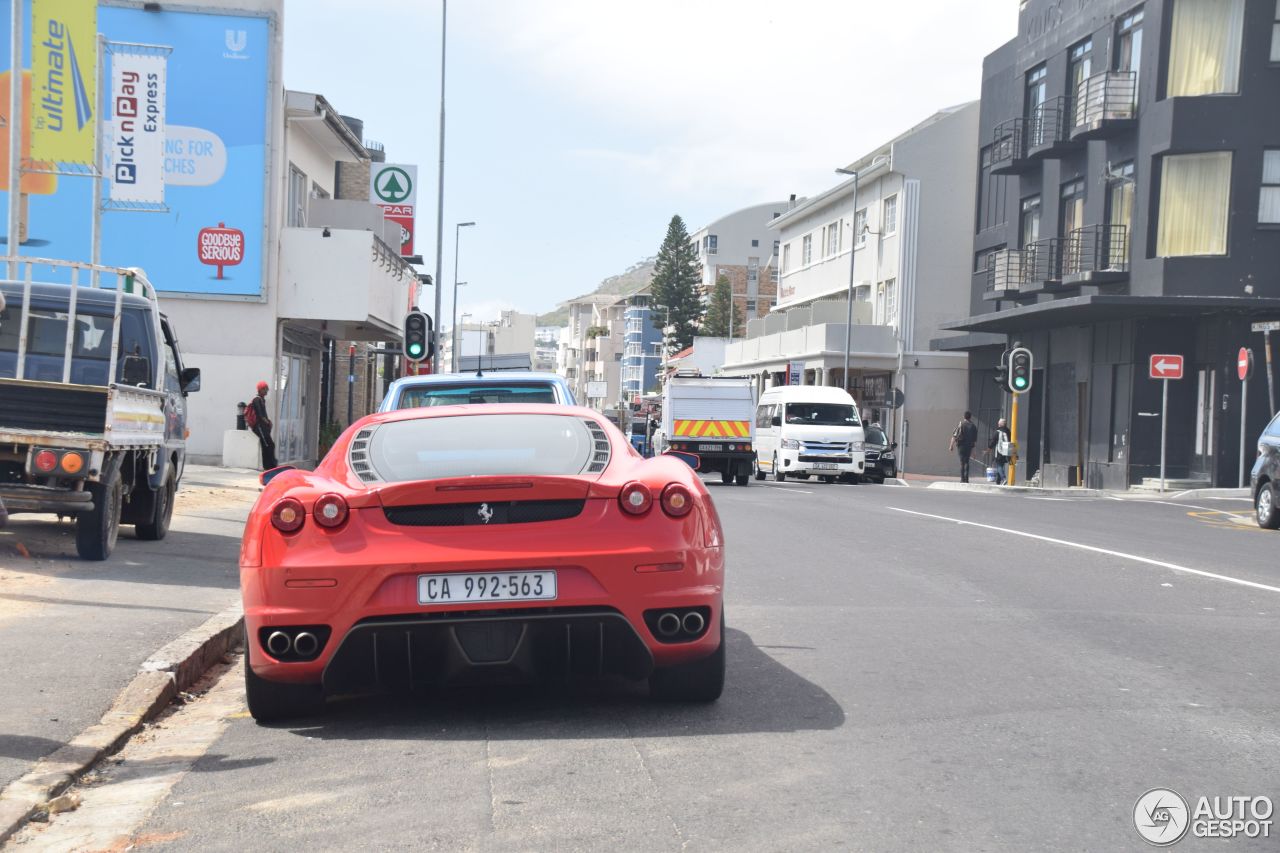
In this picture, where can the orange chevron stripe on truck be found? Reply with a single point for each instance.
(713, 429)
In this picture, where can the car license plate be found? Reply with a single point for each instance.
(825, 466)
(708, 447)
(459, 588)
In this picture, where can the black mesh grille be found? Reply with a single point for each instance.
(481, 514)
(53, 409)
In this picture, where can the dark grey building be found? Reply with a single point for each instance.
(1128, 204)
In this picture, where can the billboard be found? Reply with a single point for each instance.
(207, 236)
(135, 150)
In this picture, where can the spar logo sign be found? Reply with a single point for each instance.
(394, 188)
(220, 247)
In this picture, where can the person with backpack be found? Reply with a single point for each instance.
(963, 438)
(256, 419)
(1001, 448)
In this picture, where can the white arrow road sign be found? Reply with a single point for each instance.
(1166, 367)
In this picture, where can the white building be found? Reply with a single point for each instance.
(906, 220)
(592, 347)
(741, 247)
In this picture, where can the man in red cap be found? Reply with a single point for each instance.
(261, 426)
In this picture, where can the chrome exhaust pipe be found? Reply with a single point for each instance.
(278, 643)
(306, 644)
(668, 624)
(693, 622)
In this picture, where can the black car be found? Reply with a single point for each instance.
(1266, 471)
(882, 461)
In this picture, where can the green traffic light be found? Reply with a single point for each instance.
(1020, 382)
(415, 349)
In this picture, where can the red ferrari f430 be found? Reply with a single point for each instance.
(493, 543)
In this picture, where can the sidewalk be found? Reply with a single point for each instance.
(981, 485)
(75, 633)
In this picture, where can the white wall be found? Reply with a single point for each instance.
(734, 234)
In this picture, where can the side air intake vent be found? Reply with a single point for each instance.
(599, 456)
(358, 455)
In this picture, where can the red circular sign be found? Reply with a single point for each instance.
(1244, 363)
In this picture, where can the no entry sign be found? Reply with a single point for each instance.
(1244, 364)
(1166, 367)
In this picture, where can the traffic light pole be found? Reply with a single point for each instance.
(1012, 479)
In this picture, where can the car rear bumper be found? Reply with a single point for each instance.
(797, 462)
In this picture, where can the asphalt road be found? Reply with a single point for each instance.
(905, 673)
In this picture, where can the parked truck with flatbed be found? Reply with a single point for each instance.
(713, 418)
(92, 399)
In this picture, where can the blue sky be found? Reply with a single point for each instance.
(577, 128)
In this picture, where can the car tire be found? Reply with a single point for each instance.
(826, 478)
(778, 474)
(271, 700)
(98, 529)
(726, 477)
(157, 527)
(743, 479)
(760, 475)
(697, 681)
(1266, 511)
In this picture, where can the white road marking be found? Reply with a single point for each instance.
(1095, 549)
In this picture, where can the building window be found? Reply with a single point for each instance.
(297, 198)
(755, 244)
(1037, 90)
(891, 302)
(753, 270)
(1195, 195)
(991, 194)
(751, 305)
(711, 242)
(860, 228)
(984, 260)
(1204, 49)
(773, 274)
(1275, 36)
(1121, 192)
(775, 242)
(1269, 203)
(1030, 220)
(1079, 66)
(1129, 44)
(1071, 209)
(806, 250)
(862, 293)
(786, 258)
(833, 238)
(890, 223)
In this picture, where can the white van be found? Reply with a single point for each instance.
(808, 430)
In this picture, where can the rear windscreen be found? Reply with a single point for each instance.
(486, 445)
(478, 394)
(90, 343)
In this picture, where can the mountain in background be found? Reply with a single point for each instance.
(637, 276)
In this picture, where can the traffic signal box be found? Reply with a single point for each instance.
(418, 343)
(1019, 370)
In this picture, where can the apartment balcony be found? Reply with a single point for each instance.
(1042, 265)
(1006, 271)
(1009, 148)
(1096, 254)
(1104, 105)
(350, 281)
(1047, 131)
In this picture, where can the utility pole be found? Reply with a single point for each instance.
(15, 135)
(444, 18)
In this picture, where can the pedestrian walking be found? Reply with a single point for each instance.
(963, 438)
(255, 417)
(1001, 449)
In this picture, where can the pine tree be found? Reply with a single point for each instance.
(675, 282)
(716, 323)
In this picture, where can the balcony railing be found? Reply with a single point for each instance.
(1009, 147)
(1096, 253)
(1042, 263)
(1047, 131)
(1102, 102)
(1006, 270)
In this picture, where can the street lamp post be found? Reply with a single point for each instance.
(457, 233)
(444, 18)
(853, 243)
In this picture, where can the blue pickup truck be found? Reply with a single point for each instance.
(455, 389)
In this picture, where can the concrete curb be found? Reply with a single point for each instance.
(172, 669)
(990, 489)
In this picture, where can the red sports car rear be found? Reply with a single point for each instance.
(490, 543)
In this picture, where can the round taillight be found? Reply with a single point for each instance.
(288, 515)
(330, 510)
(72, 462)
(676, 500)
(46, 461)
(635, 498)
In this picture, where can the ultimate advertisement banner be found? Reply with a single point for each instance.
(185, 116)
(64, 63)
